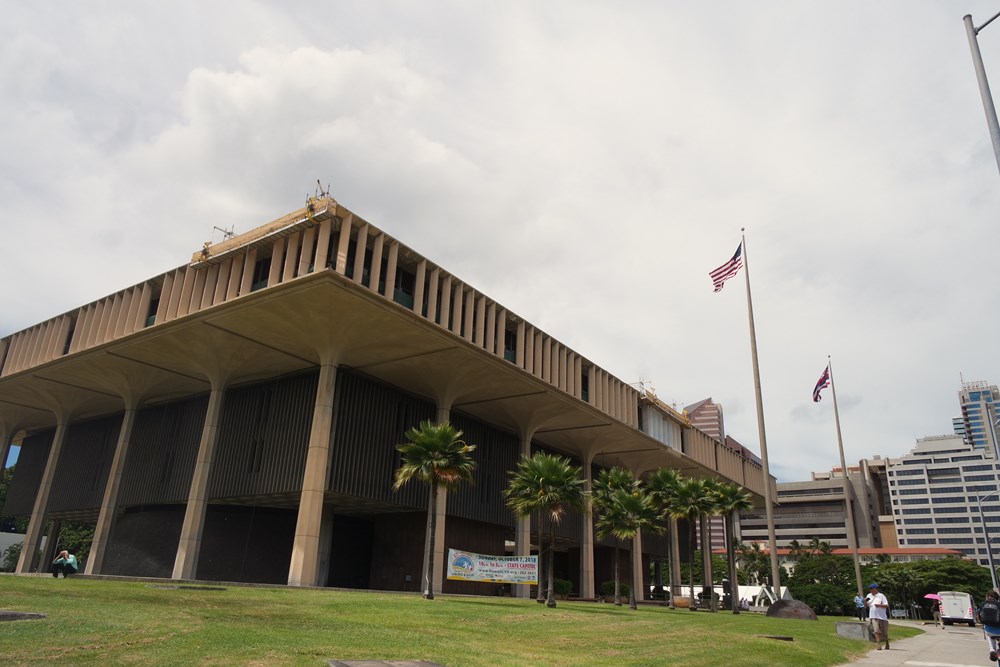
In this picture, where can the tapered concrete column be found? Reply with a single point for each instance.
(304, 568)
(675, 561)
(36, 525)
(102, 532)
(189, 546)
(587, 587)
(522, 530)
(5, 442)
(638, 576)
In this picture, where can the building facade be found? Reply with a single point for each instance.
(941, 493)
(979, 416)
(235, 418)
(817, 509)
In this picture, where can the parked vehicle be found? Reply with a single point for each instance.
(957, 607)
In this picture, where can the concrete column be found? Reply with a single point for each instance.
(325, 549)
(222, 284)
(277, 258)
(246, 280)
(538, 357)
(343, 244)
(360, 248)
(501, 331)
(522, 530)
(176, 281)
(587, 586)
(375, 275)
(303, 569)
(479, 330)
(432, 294)
(638, 575)
(546, 358)
(519, 345)
(189, 546)
(391, 266)
(491, 327)
(306, 255)
(418, 288)
(457, 301)
(291, 256)
(323, 244)
(191, 277)
(161, 308)
(529, 349)
(469, 314)
(36, 525)
(445, 302)
(102, 531)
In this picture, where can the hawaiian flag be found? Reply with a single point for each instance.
(727, 270)
(824, 382)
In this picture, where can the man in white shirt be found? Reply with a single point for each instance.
(878, 614)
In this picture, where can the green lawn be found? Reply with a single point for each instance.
(96, 622)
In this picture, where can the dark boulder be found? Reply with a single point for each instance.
(791, 609)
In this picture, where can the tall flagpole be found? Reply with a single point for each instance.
(852, 537)
(768, 500)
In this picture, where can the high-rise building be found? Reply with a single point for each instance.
(979, 416)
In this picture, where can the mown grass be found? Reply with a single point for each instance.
(101, 622)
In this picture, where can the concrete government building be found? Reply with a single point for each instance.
(235, 418)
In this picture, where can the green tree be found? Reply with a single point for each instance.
(437, 456)
(662, 486)
(624, 515)
(731, 499)
(690, 501)
(608, 483)
(552, 485)
(9, 524)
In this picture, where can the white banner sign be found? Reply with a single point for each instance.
(467, 566)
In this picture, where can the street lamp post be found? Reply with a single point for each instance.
(986, 535)
(984, 87)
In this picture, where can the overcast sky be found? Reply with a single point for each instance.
(584, 163)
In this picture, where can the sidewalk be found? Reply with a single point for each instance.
(951, 646)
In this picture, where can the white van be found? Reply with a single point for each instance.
(957, 607)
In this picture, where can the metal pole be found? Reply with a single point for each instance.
(852, 538)
(768, 500)
(986, 534)
(984, 86)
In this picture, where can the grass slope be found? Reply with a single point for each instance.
(99, 622)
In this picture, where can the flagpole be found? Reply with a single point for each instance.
(768, 500)
(852, 536)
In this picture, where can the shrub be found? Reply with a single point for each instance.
(562, 586)
(608, 588)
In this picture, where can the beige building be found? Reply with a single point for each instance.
(235, 417)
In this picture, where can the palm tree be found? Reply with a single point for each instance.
(624, 514)
(552, 485)
(689, 502)
(732, 498)
(437, 456)
(662, 485)
(609, 482)
(710, 509)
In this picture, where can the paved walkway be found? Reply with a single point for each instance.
(951, 646)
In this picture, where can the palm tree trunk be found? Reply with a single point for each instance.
(618, 595)
(540, 595)
(631, 566)
(691, 560)
(551, 598)
(429, 554)
(734, 582)
(707, 576)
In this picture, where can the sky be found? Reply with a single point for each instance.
(586, 164)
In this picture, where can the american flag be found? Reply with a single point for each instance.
(727, 270)
(824, 382)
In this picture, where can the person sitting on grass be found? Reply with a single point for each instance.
(65, 563)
